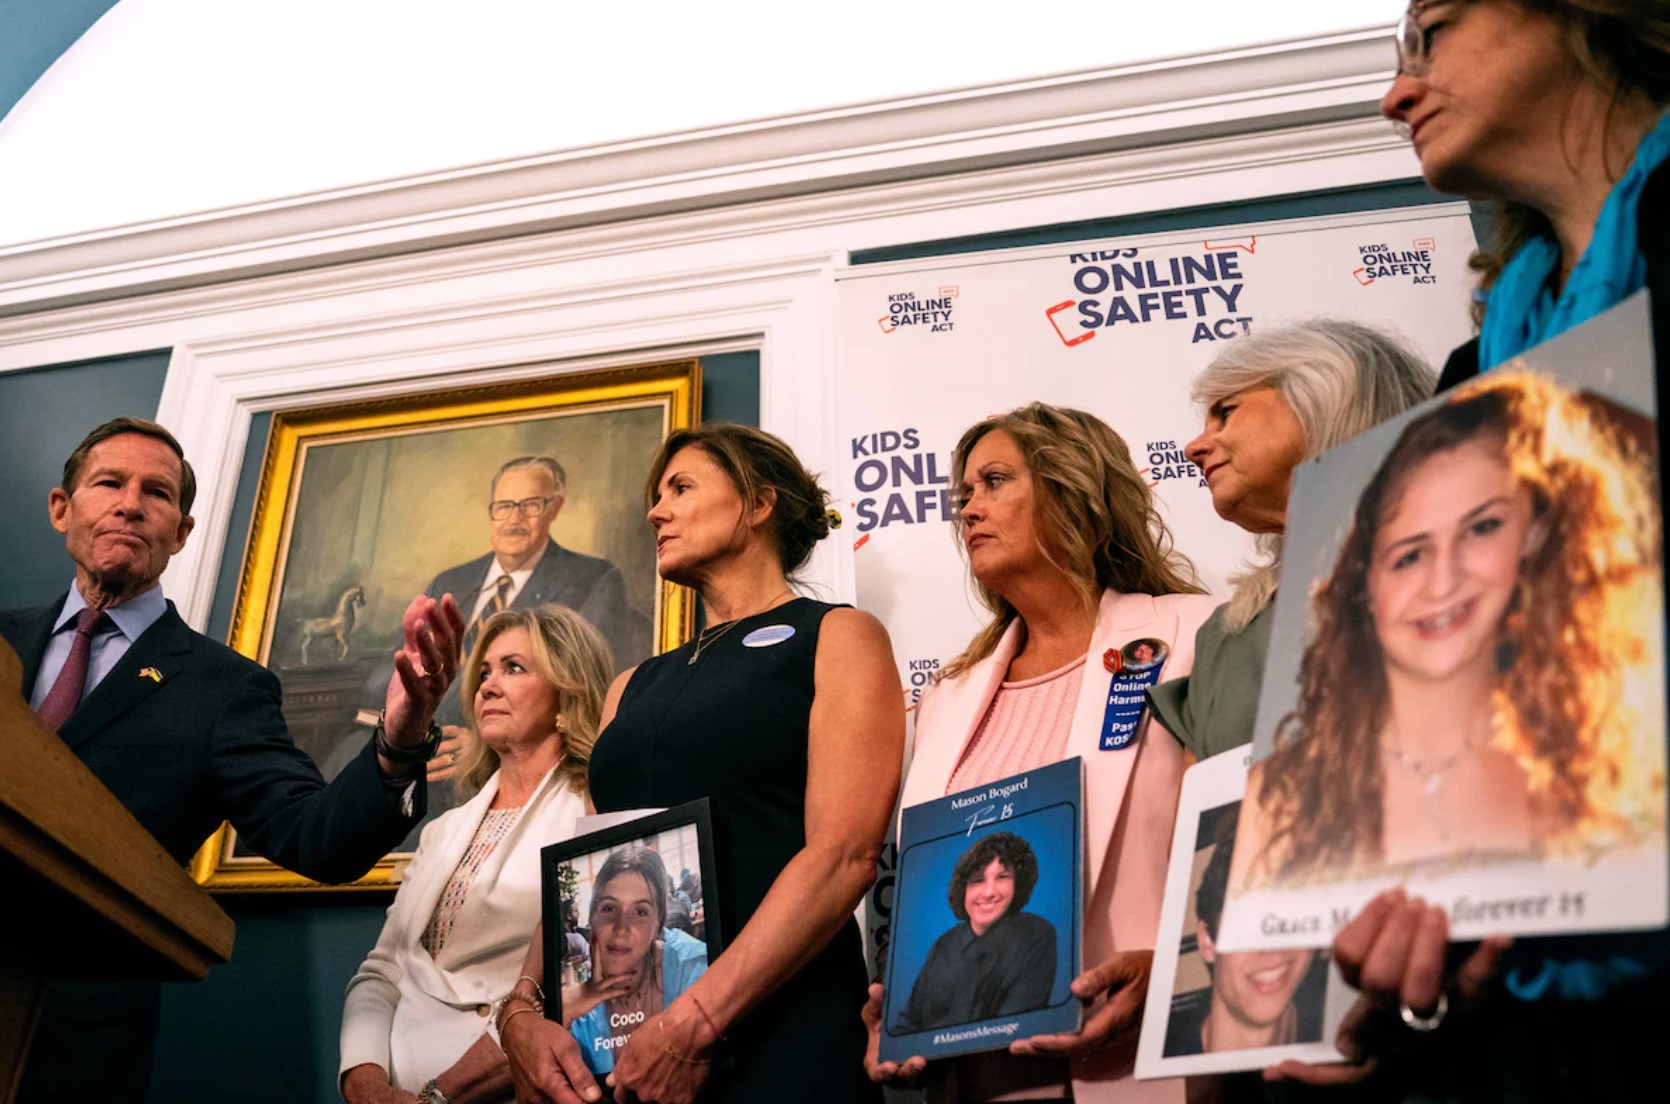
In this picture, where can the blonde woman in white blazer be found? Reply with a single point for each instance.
(417, 1021)
(1067, 551)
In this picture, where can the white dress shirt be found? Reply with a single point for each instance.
(490, 583)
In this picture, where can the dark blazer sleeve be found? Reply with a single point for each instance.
(1654, 238)
(1462, 366)
(276, 799)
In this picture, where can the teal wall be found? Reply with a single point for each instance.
(45, 412)
(33, 33)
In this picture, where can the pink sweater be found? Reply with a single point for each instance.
(1026, 727)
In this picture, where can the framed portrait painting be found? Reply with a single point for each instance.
(363, 505)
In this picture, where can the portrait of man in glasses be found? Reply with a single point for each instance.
(525, 568)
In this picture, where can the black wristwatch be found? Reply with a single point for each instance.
(403, 755)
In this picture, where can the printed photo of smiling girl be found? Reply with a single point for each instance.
(999, 960)
(1480, 683)
(638, 964)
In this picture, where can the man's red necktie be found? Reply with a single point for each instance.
(65, 694)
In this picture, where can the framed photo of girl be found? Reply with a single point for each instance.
(1478, 710)
(630, 922)
(506, 496)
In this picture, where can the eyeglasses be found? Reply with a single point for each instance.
(1411, 42)
(528, 507)
(1414, 42)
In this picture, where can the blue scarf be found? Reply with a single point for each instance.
(1523, 311)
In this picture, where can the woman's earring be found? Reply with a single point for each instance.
(562, 725)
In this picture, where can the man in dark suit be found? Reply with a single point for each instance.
(526, 568)
(187, 733)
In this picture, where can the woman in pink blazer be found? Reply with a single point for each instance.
(1068, 552)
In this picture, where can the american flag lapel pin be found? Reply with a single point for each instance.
(151, 673)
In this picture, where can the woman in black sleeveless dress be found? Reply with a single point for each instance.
(785, 713)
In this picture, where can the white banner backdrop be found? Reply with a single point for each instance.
(1118, 328)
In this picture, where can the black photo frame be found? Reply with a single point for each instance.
(561, 894)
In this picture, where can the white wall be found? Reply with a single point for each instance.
(687, 244)
(173, 107)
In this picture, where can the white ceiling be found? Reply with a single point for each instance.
(174, 107)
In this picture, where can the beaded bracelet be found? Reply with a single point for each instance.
(511, 1015)
(501, 1015)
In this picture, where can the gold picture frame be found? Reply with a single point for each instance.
(384, 497)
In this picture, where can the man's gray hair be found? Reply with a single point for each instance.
(1339, 378)
(559, 478)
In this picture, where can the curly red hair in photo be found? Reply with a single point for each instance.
(1572, 653)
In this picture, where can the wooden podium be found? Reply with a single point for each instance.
(88, 893)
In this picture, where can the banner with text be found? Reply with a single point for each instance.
(1117, 328)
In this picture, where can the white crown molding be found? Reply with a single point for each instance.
(682, 245)
(1189, 102)
(745, 242)
(216, 386)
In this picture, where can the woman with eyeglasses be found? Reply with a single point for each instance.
(1555, 111)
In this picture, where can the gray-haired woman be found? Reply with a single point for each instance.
(1272, 400)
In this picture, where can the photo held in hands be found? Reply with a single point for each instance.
(627, 925)
(986, 913)
(1480, 711)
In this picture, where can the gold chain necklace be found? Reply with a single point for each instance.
(704, 641)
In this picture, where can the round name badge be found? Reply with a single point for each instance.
(766, 637)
